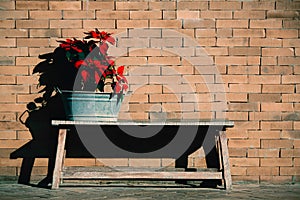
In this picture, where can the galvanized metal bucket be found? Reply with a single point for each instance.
(90, 106)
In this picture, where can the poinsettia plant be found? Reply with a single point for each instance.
(81, 65)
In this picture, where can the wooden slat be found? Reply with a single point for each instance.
(145, 175)
(225, 160)
(59, 158)
(147, 123)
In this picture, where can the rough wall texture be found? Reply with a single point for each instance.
(235, 59)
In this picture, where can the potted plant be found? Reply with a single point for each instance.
(85, 76)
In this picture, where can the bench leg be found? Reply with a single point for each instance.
(59, 158)
(225, 160)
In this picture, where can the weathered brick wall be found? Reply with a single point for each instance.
(248, 72)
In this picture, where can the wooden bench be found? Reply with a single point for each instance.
(223, 173)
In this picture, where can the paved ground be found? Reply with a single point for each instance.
(13, 191)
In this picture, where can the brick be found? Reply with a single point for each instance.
(12, 33)
(245, 88)
(7, 80)
(232, 24)
(265, 79)
(282, 33)
(249, 143)
(10, 163)
(238, 171)
(247, 179)
(8, 171)
(190, 79)
(164, 98)
(59, 5)
(32, 42)
(271, 23)
(45, 33)
(90, 14)
(225, 5)
(13, 14)
(291, 24)
(232, 42)
(283, 70)
(7, 23)
(235, 97)
(145, 15)
(169, 14)
(32, 24)
(243, 70)
(7, 5)
(132, 23)
(276, 106)
(253, 60)
(244, 51)
(264, 97)
(277, 143)
(165, 24)
(198, 23)
(282, 14)
(98, 5)
(297, 162)
(133, 42)
(168, 42)
(7, 117)
(7, 61)
(288, 60)
(263, 153)
(291, 98)
(291, 43)
(183, 14)
(290, 134)
(216, 15)
(247, 125)
(265, 42)
(131, 5)
(243, 106)
(231, 60)
(232, 79)
(242, 14)
(204, 42)
(190, 5)
(244, 162)
(237, 152)
(270, 116)
(220, 51)
(276, 179)
(249, 33)
(277, 51)
(164, 61)
(290, 79)
(276, 162)
(21, 51)
(264, 134)
(45, 14)
(289, 171)
(149, 107)
(112, 14)
(269, 60)
(138, 80)
(66, 23)
(290, 153)
(278, 89)
(31, 5)
(259, 5)
(224, 33)
(131, 61)
(278, 125)
(267, 171)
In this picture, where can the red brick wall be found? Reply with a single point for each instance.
(249, 72)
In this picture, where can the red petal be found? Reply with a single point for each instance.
(111, 40)
(84, 75)
(103, 48)
(78, 63)
(120, 70)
